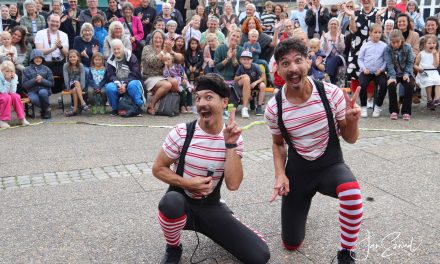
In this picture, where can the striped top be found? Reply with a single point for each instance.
(204, 150)
(307, 123)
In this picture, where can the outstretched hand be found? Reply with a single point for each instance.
(232, 132)
(353, 111)
(281, 187)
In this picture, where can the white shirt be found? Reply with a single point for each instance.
(41, 38)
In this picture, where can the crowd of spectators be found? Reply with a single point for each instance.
(131, 49)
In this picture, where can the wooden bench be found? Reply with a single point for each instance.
(66, 92)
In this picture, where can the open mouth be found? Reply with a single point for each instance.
(295, 79)
(205, 114)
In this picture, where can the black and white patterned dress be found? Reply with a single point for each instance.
(363, 23)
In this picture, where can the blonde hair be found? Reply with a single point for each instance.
(253, 32)
(375, 27)
(6, 34)
(112, 27)
(212, 36)
(7, 65)
(86, 26)
(315, 41)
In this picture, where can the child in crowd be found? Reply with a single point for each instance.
(317, 56)
(389, 26)
(9, 97)
(268, 18)
(256, 78)
(74, 79)
(100, 32)
(399, 59)
(278, 81)
(426, 64)
(372, 67)
(96, 90)
(7, 50)
(38, 80)
(193, 59)
(254, 47)
(179, 45)
(191, 30)
(209, 52)
(176, 70)
(171, 30)
(157, 24)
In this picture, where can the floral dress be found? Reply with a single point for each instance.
(363, 23)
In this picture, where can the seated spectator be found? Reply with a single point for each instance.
(228, 19)
(191, 30)
(9, 98)
(56, 8)
(39, 9)
(23, 53)
(7, 50)
(132, 26)
(212, 28)
(115, 31)
(333, 45)
(209, 52)
(193, 59)
(85, 44)
(176, 71)
(277, 10)
(157, 24)
(251, 72)
(32, 21)
(171, 30)
(316, 55)
(113, 12)
(96, 89)
(166, 13)
(14, 14)
(147, 14)
(92, 10)
(99, 31)
(69, 21)
(152, 68)
(123, 77)
(37, 81)
(288, 29)
(389, 26)
(75, 81)
(251, 11)
(412, 9)
(179, 45)
(6, 22)
(254, 47)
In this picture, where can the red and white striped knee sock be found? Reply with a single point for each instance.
(350, 213)
(172, 228)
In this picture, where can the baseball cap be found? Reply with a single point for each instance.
(246, 53)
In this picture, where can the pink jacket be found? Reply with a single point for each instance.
(206, 56)
(136, 27)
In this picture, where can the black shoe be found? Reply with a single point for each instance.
(346, 257)
(259, 110)
(114, 113)
(47, 114)
(172, 255)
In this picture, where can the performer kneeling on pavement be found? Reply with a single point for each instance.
(314, 115)
(204, 153)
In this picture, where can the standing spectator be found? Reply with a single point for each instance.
(190, 7)
(212, 28)
(228, 19)
(157, 24)
(278, 9)
(147, 15)
(344, 20)
(100, 32)
(412, 9)
(401, 6)
(152, 68)
(39, 9)
(86, 15)
(268, 18)
(32, 21)
(133, 27)
(299, 15)
(391, 11)
(115, 31)
(333, 46)
(37, 81)
(13, 12)
(334, 11)
(166, 12)
(251, 11)
(86, 45)
(213, 8)
(54, 44)
(176, 16)
(200, 10)
(57, 8)
(9, 98)
(317, 19)
(6, 23)
(191, 30)
(113, 12)
(69, 21)
(400, 62)
(123, 75)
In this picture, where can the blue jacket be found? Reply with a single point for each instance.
(100, 35)
(8, 86)
(31, 71)
(403, 58)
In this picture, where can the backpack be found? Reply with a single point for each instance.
(169, 105)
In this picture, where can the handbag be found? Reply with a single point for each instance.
(127, 108)
(169, 105)
(139, 47)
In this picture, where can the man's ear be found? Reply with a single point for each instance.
(225, 102)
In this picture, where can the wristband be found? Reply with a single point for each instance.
(230, 145)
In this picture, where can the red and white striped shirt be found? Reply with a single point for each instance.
(204, 150)
(307, 123)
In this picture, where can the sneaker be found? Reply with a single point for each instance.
(94, 110)
(393, 116)
(24, 122)
(436, 102)
(376, 111)
(85, 107)
(172, 255)
(406, 117)
(101, 110)
(370, 103)
(114, 113)
(346, 257)
(244, 112)
(259, 110)
(364, 111)
(3, 124)
(226, 115)
(46, 114)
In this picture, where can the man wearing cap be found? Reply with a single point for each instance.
(204, 153)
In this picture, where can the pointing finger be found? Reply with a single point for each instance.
(232, 115)
(355, 96)
(274, 195)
